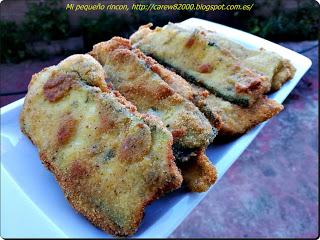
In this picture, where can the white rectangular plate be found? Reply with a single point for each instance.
(33, 205)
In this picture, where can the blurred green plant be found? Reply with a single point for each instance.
(300, 23)
(103, 28)
(13, 47)
(46, 21)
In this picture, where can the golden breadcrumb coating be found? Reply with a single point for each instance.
(109, 160)
(128, 72)
(237, 120)
(270, 64)
(201, 62)
(198, 173)
(181, 86)
(229, 118)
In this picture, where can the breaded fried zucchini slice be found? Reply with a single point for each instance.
(109, 160)
(236, 120)
(270, 64)
(199, 61)
(229, 118)
(129, 73)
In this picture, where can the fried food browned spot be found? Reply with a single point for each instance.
(193, 57)
(109, 160)
(66, 129)
(135, 144)
(55, 88)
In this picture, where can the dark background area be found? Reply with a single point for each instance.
(40, 29)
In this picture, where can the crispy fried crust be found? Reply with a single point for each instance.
(193, 56)
(130, 74)
(146, 84)
(237, 120)
(229, 118)
(181, 86)
(88, 137)
(277, 69)
(199, 173)
(285, 72)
